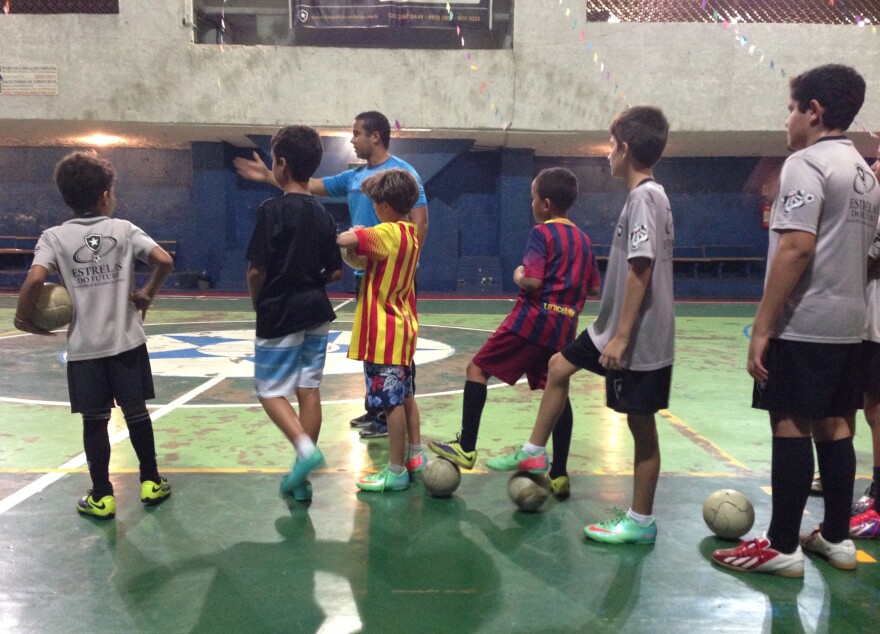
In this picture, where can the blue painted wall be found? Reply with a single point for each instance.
(478, 201)
(710, 197)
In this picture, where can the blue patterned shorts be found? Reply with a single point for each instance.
(388, 385)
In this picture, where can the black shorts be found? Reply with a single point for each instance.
(641, 393)
(871, 368)
(94, 384)
(811, 380)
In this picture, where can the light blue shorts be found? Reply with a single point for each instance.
(285, 363)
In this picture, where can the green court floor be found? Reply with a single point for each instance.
(226, 554)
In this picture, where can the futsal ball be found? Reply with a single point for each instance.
(53, 309)
(441, 477)
(728, 514)
(528, 491)
(355, 261)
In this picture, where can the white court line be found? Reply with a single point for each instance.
(77, 461)
(345, 401)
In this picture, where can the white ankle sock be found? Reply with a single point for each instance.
(532, 450)
(305, 447)
(638, 518)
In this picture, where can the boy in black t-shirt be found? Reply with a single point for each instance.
(292, 255)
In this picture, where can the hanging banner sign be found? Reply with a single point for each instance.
(370, 14)
(60, 6)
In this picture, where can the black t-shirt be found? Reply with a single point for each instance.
(295, 240)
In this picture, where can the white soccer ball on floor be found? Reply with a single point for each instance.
(528, 491)
(441, 477)
(728, 513)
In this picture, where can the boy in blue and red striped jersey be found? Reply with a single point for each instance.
(557, 274)
(386, 324)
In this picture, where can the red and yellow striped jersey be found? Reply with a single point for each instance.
(386, 323)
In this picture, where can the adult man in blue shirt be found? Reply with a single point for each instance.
(370, 137)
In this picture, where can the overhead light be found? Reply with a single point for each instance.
(100, 140)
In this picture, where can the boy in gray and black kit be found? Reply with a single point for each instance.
(107, 359)
(805, 347)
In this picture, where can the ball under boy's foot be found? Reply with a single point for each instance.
(364, 420)
(520, 460)
(560, 487)
(622, 529)
(453, 452)
(300, 471)
(866, 525)
(757, 555)
(816, 487)
(153, 493)
(841, 555)
(865, 502)
(103, 509)
(385, 480)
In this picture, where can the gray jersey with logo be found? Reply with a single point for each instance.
(872, 323)
(645, 230)
(828, 190)
(95, 259)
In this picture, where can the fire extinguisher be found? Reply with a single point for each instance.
(766, 208)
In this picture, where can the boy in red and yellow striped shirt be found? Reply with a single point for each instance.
(386, 322)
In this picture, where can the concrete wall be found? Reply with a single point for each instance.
(142, 66)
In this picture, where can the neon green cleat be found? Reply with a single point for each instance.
(453, 452)
(384, 480)
(103, 509)
(417, 463)
(622, 530)
(561, 487)
(300, 471)
(519, 460)
(153, 493)
(303, 492)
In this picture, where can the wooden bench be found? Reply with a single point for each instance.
(170, 246)
(693, 258)
(17, 252)
(744, 255)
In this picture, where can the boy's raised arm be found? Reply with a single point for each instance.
(254, 169)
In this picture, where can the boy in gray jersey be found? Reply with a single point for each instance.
(865, 522)
(106, 345)
(632, 340)
(805, 343)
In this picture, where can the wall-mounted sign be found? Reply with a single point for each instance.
(35, 80)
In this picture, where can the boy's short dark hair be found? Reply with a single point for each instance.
(645, 130)
(376, 122)
(300, 147)
(82, 178)
(559, 185)
(840, 90)
(396, 187)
